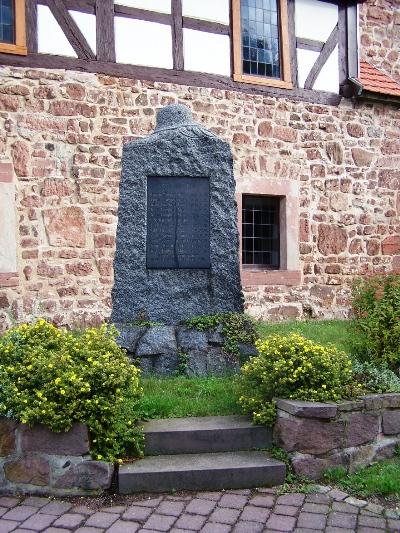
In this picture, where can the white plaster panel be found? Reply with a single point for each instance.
(315, 19)
(214, 10)
(51, 38)
(162, 6)
(87, 24)
(328, 78)
(139, 42)
(8, 243)
(305, 61)
(206, 52)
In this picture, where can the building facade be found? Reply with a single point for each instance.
(306, 92)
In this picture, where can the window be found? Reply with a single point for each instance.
(261, 44)
(12, 27)
(268, 219)
(260, 231)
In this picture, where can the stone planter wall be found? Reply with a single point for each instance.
(351, 434)
(169, 350)
(37, 461)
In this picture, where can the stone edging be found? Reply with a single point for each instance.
(350, 434)
(35, 460)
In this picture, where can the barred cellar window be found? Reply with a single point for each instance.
(12, 27)
(260, 232)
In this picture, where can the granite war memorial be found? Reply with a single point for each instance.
(177, 243)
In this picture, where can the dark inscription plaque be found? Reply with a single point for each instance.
(178, 222)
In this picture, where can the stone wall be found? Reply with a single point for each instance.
(380, 38)
(37, 461)
(64, 131)
(350, 434)
(177, 350)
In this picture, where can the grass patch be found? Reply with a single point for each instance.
(181, 396)
(380, 479)
(336, 332)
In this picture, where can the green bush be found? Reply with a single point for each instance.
(55, 377)
(376, 379)
(237, 328)
(376, 306)
(292, 367)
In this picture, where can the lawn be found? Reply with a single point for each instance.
(324, 331)
(381, 479)
(181, 396)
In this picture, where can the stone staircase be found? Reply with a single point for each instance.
(206, 453)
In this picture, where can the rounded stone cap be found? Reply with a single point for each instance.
(173, 115)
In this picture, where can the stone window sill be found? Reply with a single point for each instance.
(270, 277)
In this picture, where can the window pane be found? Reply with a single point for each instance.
(7, 32)
(260, 30)
(260, 231)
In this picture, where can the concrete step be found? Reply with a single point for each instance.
(206, 471)
(207, 434)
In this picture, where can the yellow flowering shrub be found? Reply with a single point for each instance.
(292, 367)
(56, 377)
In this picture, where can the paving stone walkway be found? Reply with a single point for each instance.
(233, 511)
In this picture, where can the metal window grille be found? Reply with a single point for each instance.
(7, 22)
(260, 231)
(260, 38)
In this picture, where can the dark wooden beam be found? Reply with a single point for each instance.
(196, 79)
(71, 29)
(84, 6)
(142, 14)
(31, 25)
(105, 36)
(342, 41)
(177, 34)
(292, 41)
(352, 40)
(309, 44)
(326, 51)
(205, 25)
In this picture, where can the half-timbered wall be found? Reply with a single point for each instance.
(186, 38)
(316, 28)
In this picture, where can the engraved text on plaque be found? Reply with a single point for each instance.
(178, 222)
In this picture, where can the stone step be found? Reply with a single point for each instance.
(207, 471)
(207, 434)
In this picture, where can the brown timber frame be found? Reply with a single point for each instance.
(104, 62)
(19, 47)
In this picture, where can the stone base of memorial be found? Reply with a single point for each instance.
(35, 460)
(172, 350)
(350, 434)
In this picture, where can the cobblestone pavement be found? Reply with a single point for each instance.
(240, 511)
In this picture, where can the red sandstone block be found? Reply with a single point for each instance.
(391, 422)
(9, 279)
(30, 470)
(9, 102)
(6, 172)
(391, 245)
(7, 436)
(361, 428)
(43, 440)
(88, 475)
(285, 134)
(79, 268)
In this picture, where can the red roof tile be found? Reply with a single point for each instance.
(376, 81)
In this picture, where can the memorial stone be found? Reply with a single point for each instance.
(177, 237)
